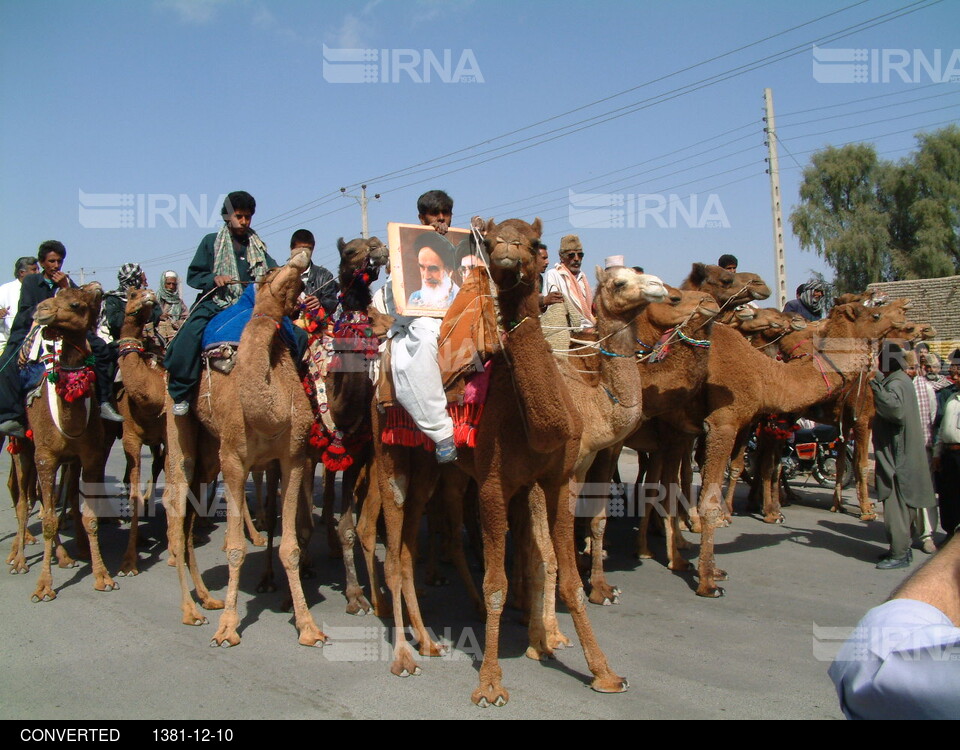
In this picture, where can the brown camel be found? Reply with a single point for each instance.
(256, 414)
(65, 425)
(349, 391)
(671, 373)
(743, 384)
(527, 445)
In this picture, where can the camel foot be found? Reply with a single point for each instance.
(171, 562)
(680, 566)
(211, 603)
(490, 695)
(64, 560)
(605, 594)
(557, 640)
(103, 582)
(43, 593)
(226, 635)
(610, 684)
(18, 565)
(404, 664)
(267, 585)
(773, 518)
(29, 538)
(693, 525)
(644, 555)
(539, 653)
(710, 592)
(128, 568)
(430, 648)
(358, 605)
(192, 617)
(311, 635)
(871, 516)
(258, 540)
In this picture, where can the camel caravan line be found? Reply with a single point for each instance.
(676, 373)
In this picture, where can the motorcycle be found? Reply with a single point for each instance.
(811, 451)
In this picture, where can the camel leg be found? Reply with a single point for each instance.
(454, 488)
(493, 517)
(267, 582)
(256, 538)
(292, 473)
(334, 549)
(131, 448)
(234, 475)
(736, 469)
(770, 450)
(598, 476)
(672, 462)
(544, 630)
(93, 475)
(18, 492)
(394, 485)
(46, 467)
(367, 533)
(719, 442)
(605, 680)
(357, 603)
(861, 448)
(686, 479)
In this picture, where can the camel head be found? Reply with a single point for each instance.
(913, 332)
(512, 246)
(280, 288)
(750, 288)
(71, 313)
(872, 322)
(140, 304)
(768, 323)
(361, 256)
(622, 292)
(695, 309)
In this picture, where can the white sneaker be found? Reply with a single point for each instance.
(181, 408)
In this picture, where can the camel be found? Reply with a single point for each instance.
(256, 414)
(526, 447)
(349, 390)
(670, 375)
(743, 384)
(65, 425)
(141, 404)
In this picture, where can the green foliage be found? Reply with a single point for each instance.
(874, 220)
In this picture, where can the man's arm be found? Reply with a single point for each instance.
(327, 291)
(200, 273)
(888, 397)
(937, 583)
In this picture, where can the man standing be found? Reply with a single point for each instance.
(224, 261)
(543, 260)
(10, 296)
(902, 472)
(924, 519)
(567, 278)
(946, 453)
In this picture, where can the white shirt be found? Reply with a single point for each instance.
(10, 299)
(949, 431)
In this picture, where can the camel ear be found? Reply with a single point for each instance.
(488, 229)
(537, 227)
(599, 271)
(698, 273)
(341, 245)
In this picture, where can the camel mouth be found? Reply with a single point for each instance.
(300, 261)
(506, 262)
(653, 288)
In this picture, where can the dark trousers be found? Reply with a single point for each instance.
(182, 359)
(948, 490)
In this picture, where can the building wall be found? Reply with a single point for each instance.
(935, 301)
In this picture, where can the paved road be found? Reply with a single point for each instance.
(751, 654)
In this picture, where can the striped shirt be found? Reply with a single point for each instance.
(927, 401)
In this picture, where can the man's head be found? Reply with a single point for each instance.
(24, 267)
(434, 207)
(728, 262)
(302, 239)
(171, 282)
(892, 358)
(910, 364)
(571, 253)
(238, 210)
(51, 255)
(131, 276)
(543, 258)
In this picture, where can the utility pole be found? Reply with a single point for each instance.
(362, 200)
(773, 169)
(83, 274)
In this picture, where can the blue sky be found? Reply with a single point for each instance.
(175, 102)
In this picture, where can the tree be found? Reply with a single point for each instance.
(873, 220)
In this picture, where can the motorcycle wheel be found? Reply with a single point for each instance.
(825, 469)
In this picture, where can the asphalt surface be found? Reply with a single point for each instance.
(754, 653)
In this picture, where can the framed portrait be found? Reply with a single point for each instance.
(427, 268)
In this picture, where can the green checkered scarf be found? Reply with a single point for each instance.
(225, 263)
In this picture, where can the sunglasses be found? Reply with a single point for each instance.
(573, 255)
